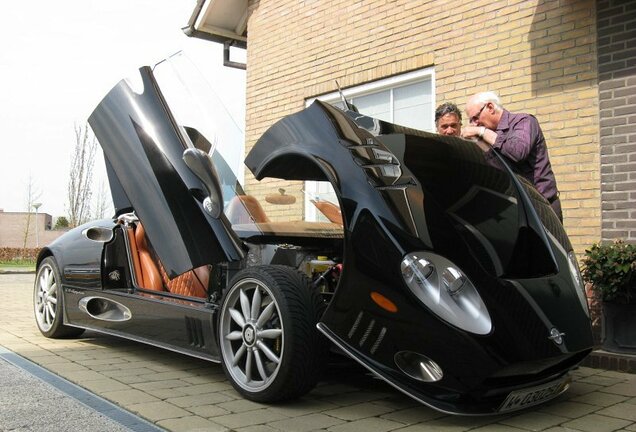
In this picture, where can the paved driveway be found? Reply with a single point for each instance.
(181, 393)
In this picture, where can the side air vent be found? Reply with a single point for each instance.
(98, 234)
(194, 328)
(366, 333)
(104, 309)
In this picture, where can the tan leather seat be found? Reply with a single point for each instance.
(151, 274)
(148, 276)
(330, 210)
(244, 209)
(193, 283)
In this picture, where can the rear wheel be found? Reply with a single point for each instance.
(48, 302)
(270, 347)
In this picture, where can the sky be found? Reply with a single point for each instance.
(58, 59)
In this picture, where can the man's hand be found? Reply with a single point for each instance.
(477, 134)
(473, 132)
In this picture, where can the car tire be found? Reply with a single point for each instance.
(273, 351)
(48, 302)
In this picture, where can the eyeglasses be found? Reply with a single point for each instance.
(475, 118)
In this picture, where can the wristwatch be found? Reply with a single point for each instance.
(481, 132)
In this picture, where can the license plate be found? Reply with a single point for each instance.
(519, 399)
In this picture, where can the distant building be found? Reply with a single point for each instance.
(13, 226)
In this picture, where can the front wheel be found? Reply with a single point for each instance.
(270, 347)
(48, 302)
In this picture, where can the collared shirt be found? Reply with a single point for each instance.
(520, 139)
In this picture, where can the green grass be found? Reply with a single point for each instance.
(17, 264)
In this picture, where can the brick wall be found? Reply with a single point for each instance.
(13, 226)
(616, 22)
(539, 55)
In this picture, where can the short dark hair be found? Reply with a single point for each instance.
(447, 108)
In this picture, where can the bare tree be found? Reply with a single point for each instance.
(33, 194)
(81, 176)
(102, 203)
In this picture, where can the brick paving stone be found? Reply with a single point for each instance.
(347, 399)
(208, 411)
(242, 405)
(497, 428)
(601, 380)
(366, 425)
(206, 388)
(162, 376)
(204, 379)
(159, 385)
(303, 407)
(584, 371)
(306, 423)
(198, 400)
(358, 411)
(165, 393)
(612, 374)
(461, 423)
(191, 424)
(413, 415)
(86, 375)
(249, 418)
(568, 409)
(156, 411)
(596, 423)
(67, 366)
(126, 397)
(332, 389)
(623, 411)
(132, 379)
(118, 373)
(624, 389)
(258, 428)
(398, 401)
(103, 385)
(534, 420)
(581, 388)
(600, 399)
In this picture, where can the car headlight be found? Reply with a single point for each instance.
(446, 291)
(575, 272)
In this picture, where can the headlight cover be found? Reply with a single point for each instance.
(446, 291)
(575, 272)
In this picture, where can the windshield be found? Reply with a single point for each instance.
(203, 120)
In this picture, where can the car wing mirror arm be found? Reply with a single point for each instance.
(201, 165)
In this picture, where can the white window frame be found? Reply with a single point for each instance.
(363, 90)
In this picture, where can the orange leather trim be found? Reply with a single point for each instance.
(192, 283)
(150, 272)
(134, 254)
(330, 210)
(245, 209)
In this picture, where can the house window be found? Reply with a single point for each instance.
(407, 100)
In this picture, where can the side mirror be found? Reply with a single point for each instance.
(201, 165)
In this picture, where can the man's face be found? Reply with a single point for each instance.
(449, 124)
(482, 115)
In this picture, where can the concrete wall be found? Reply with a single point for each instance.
(540, 56)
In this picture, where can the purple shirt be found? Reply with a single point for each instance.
(520, 139)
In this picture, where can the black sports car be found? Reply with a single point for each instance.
(438, 269)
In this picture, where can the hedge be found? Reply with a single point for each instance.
(14, 254)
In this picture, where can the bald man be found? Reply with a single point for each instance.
(516, 136)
